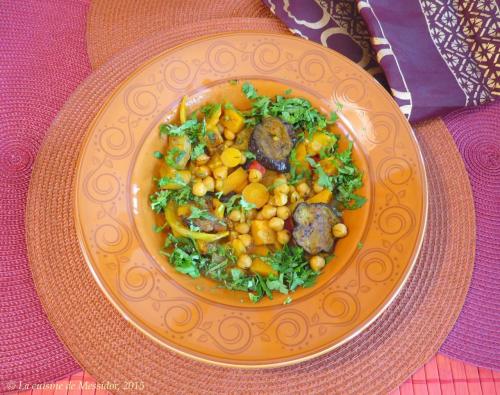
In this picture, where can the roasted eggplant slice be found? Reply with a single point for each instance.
(313, 227)
(272, 141)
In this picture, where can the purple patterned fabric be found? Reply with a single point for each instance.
(437, 55)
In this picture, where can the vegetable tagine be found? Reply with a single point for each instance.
(253, 199)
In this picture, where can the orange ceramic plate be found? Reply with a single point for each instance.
(194, 317)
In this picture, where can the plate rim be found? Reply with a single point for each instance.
(291, 361)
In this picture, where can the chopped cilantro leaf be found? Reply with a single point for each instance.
(249, 91)
(249, 155)
(158, 155)
(237, 202)
(177, 130)
(158, 229)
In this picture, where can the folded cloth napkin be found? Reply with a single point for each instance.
(437, 55)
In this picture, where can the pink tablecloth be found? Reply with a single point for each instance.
(43, 59)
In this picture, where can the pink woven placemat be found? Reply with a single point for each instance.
(476, 335)
(441, 375)
(42, 60)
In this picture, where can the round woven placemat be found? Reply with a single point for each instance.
(476, 335)
(474, 338)
(114, 25)
(36, 78)
(400, 341)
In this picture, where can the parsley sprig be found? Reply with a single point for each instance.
(195, 130)
(296, 111)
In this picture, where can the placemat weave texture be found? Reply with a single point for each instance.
(42, 59)
(401, 340)
(440, 376)
(114, 25)
(476, 335)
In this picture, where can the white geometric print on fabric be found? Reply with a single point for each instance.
(466, 35)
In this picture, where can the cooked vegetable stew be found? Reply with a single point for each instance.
(253, 198)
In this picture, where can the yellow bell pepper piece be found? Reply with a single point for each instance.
(235, 181)
(262, 268)
(232, 120)
(219, 208)
(182, 110)
(178, 227)
(318, 142)
(167, 171)
(325, 196)
(301, 155)
(183, 146)
(214, 117)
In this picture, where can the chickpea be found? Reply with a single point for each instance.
(209, 183)
(202, 159)
(317, 262)
(199, 189)
(281, 199)
(242, 228)
(233, 235)
(202, 171)
(238, 247)
(283, 236)
(228, 143)
(243, 160)
(259, 216)
(246, 239)
(294, 197)
(276, 224)
(283, 212)
(272, 201)
(303, 189)
(214, 163)
(317, 188)
(244, 261)
(219, 184)
(220, 172)
(339, 230)
(235, 215)
(282, 188)
(254, 175)
(228, 135)
(251, 214)
(268, 211)
(292, 189)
